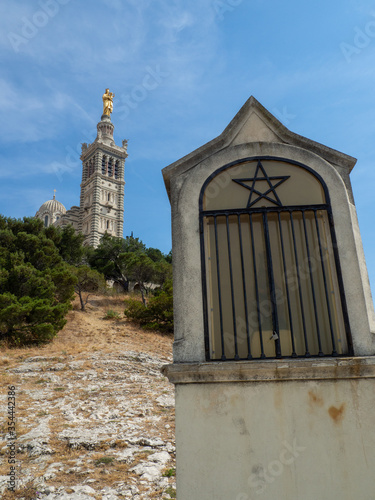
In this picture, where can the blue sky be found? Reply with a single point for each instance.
(180, 69)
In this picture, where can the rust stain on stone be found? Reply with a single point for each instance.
(315, 399)
(356, 368)
(337, 414)
(278, 397)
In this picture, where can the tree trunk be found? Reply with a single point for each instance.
(143, 295)
(81, 300)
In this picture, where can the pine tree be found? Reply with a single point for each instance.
(36, 285)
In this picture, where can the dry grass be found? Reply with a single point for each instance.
(85, 334)
(87, 331)
(27, 492)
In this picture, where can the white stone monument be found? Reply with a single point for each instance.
(274, 323)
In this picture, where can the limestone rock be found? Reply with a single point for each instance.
(37, 440)
(114, 405)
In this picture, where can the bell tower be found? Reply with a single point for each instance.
(102, 187)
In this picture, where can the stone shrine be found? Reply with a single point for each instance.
(274, 346)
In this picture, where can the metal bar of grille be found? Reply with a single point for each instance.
(312, 286)
(334, 351)
(307, 353)
(256, 288)
(294, 354)
(205, 268)
(271, 281)
(307, 309)
(232, 292)
(249, 356)
(340, 281)
(219, 292)
(236, 211)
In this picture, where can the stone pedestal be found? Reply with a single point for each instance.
(285, 430)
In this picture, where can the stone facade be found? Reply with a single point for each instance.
(285, 425)
(51, 212)
(101, 208)
(102, 187)
(254, 132)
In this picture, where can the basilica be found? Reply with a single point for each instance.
(101, 207)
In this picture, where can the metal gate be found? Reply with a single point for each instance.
(272, 283)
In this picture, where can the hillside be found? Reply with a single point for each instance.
(94, 415)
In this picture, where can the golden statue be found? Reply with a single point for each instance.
(108, 102)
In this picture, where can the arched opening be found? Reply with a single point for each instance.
(110, 167)
(46, 220)
(272, 282)
(91, 167)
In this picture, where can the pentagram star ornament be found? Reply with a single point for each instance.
(271, 187)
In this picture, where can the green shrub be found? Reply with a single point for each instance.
(169, 473)
(110, 314)
(157, 315)
(36, 285)
(171, 492)
(104, 460)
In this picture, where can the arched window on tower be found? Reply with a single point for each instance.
(117, 169)
(110, 167)
(104, 165)
(46, 221)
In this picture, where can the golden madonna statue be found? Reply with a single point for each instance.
(108, 102)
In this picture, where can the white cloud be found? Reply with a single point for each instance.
(35, 116)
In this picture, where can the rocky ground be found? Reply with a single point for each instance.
(94, 414)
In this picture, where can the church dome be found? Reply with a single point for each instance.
(52, 206)
(50, 211)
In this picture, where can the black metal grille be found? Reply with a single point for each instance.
(272, 283)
